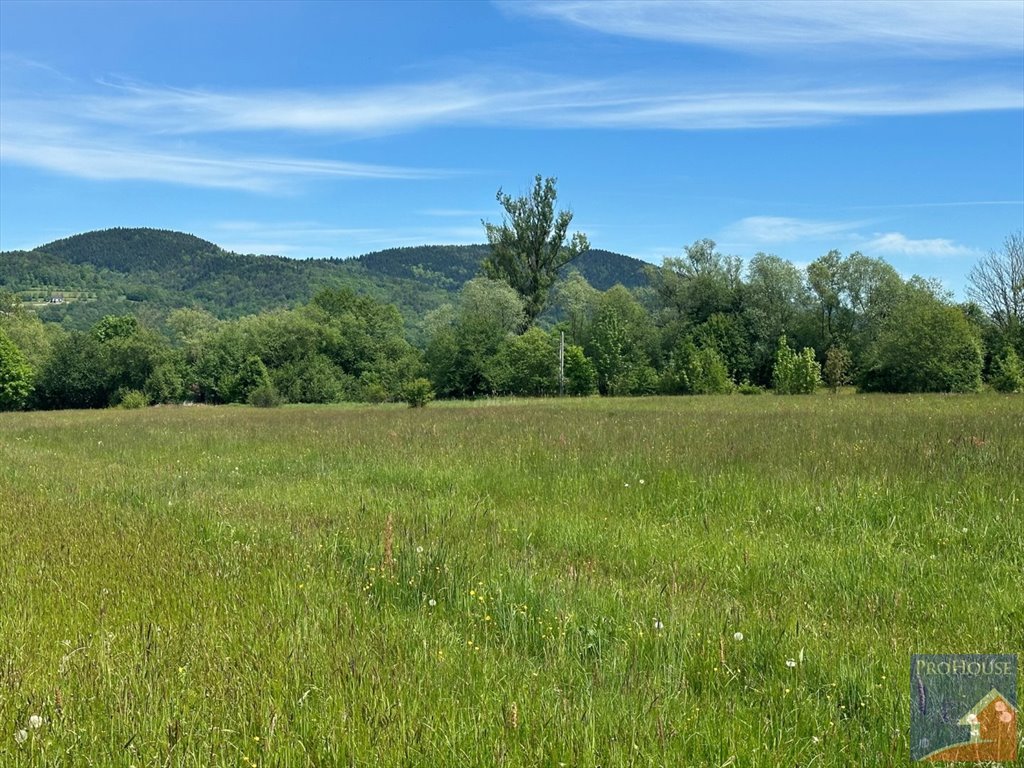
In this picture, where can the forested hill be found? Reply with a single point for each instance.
(453, 265)
(79, 279)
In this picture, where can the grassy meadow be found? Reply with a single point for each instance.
(707, 581)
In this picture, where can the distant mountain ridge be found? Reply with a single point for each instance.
(151, 271)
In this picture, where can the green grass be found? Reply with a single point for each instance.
(210, 586)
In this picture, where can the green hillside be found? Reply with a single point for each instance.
(147, 272)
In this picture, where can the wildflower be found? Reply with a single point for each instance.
(35, 722)
(963, 530)
(419, 550)
(658, 626)
(738, 637)
(790, 663)
(815, 739)
(626, 484)
(641, 481)
(487, 617)
(20, 735)
(432, 602)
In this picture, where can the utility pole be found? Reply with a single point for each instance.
(561, 365)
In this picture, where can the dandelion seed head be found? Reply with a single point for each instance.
(738, 636)
(35, 722)
(432, 602)
(20, 735)
(790, 663)
(658, 625)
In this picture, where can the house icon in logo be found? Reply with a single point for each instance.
(993, 724)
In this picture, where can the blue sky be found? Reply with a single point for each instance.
(334, 129)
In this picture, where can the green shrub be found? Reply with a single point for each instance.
(837, 368)
(132, 399)
(166, 384)
(746, 388)
(924, 344)
(580, 373)
(418, 392)
(15, 376)
(264, 396)
(795, 374)
(1007, 373)
(694, 370)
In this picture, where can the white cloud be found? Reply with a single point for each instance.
(756, 230)
(898, 244)
(947, 29)
(531, 101)
(117, 157)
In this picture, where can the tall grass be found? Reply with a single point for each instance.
(512, 583)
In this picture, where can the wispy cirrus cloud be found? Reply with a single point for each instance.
(948, 29)
(770, 230)
(529, 101)
(76, 150)
(121, 130)
(898, 244)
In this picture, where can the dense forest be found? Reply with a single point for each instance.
(148, 273)
(130, 317)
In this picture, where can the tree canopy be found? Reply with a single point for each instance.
(529, 247)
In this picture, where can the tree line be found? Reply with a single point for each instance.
(705, 324)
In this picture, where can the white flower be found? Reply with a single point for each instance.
(432, 602)
(35, 722)
(658, 626)
(626, 484)
(963, 530)
(419, 550)
(790, 663)
(641, 482)
(815, 739)
(20, 736)
(738, 637)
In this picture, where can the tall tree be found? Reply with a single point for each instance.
(529, 246)
(997, 284)
(15, 376)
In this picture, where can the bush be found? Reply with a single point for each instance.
(694, 370)
(1008, 373)
(795, 374)
(132, 399)
(418, 392)
(15, 376)
(837, 368)
(924, 344)
(580, 374)
(525, 365)
(166, 384)
(746, 388)
(264, 396)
